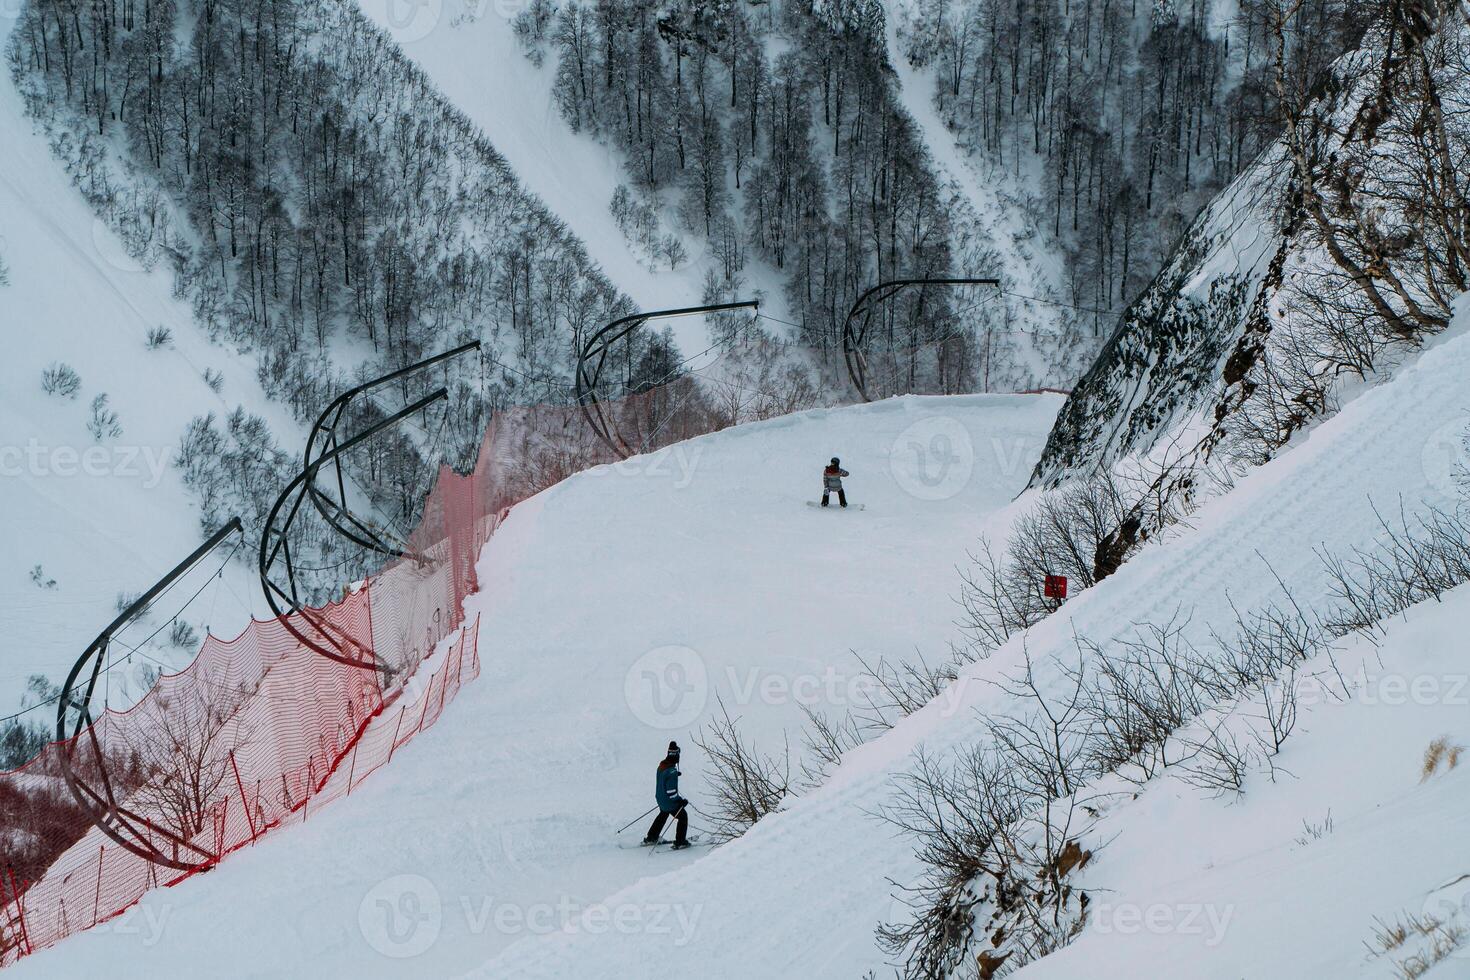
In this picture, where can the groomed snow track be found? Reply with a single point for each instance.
(705, 547)
(802, 892)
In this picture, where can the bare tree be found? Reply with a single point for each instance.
(181, 747)
(1378, 145)
(747, 784)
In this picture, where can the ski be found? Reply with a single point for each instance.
(665, 844)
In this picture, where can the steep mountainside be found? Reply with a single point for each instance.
(1177, 657)
(323, 210)
(774, 138)
(1327, 262)
(1168, 355)
(1122, 120)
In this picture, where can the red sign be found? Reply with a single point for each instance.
(1056, 587)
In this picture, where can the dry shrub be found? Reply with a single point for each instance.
(747, 784)
(1415, 560)
(826, 739)
(1441, 750)
(997, 827)
(900, 688)
(1437, 939)
(1084, 530)
(997, 830)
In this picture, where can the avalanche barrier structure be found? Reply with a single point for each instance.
(257, 733)
(260, 731)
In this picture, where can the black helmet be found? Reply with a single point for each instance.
(674, 749)
(836, 461)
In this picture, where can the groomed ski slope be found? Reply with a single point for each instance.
(498, 823)
(100, 518)
(801, 892)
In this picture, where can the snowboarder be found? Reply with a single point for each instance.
(832, 481)
(670, 803)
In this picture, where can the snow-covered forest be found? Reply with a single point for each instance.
(783, 134)
(790, 148)
(1132, 115)
(320, 206)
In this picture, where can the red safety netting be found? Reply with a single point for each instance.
(260, 731)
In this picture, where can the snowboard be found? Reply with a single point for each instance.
(834, 506)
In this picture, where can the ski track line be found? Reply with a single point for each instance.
(1310, 496)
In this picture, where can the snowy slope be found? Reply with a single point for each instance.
(488, 838)
(987, 208)
(615, 609)
(1289, 880)
(801, 893)
(99, 518)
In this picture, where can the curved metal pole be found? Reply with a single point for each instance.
(274, 543)
(333, 510)
(852, 340)
(601, 342)
(102, 807)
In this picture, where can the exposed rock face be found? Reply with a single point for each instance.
(1188, 340)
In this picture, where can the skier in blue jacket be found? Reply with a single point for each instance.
(670, 803)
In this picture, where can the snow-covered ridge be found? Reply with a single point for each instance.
(1271, 311)
(1274, 521)
(1166, 357)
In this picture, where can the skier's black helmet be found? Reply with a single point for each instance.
(674, 750)
(836, 461)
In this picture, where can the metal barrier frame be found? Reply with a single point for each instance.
(852, 339)
(593, 356)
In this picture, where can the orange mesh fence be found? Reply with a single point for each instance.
(256, 733)
(210, 757)
(260, 731)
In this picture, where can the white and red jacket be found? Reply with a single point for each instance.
(832, 477)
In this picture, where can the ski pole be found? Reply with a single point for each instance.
(637, 818)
